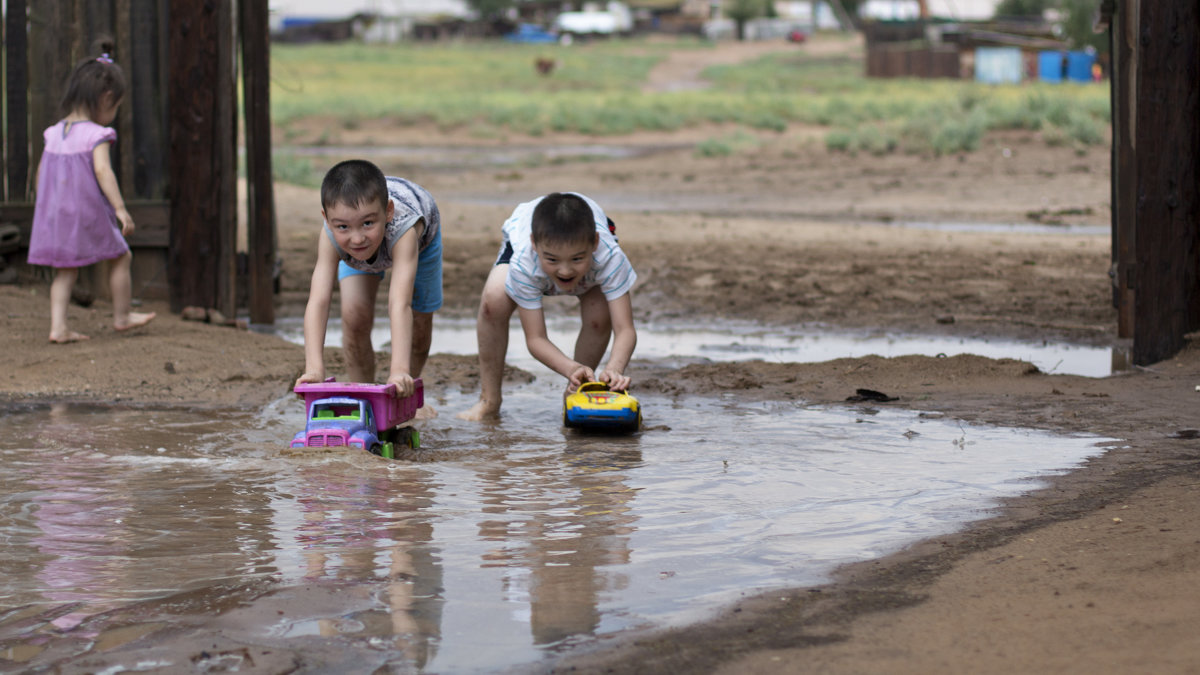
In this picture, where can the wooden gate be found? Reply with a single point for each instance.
(176, 150)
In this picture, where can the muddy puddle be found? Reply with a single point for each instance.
(731, 341)
(142, 540)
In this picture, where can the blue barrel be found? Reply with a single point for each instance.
(1079, 66)
(1050, 66)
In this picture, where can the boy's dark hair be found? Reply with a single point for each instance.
(91, 79)
(354, 182)
(562, 218)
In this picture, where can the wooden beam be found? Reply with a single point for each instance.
(256, 75)
(16, 68)
(152, 219)
(146, 69)
(201, 114)
(1167, 143)
(1123, 81)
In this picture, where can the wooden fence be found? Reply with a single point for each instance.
(176, 150)
(1156, 180)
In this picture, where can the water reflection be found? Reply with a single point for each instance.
(148, 537)
(360, 526)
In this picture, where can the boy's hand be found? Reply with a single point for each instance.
(403, 385)
(311, 378)
(616, 381)
(579, 375)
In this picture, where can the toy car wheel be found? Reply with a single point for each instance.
(376, 449)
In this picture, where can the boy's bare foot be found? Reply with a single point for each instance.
(135, 320)
(69, 336)
(479, 412)
(425, 412)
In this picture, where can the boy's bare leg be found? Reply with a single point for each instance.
(491, 329)
(60, 298)
(595, 329)
(358, 293)
(120, 284)
(422, 338)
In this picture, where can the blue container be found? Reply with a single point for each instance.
(1050, 66)
(1079, 66)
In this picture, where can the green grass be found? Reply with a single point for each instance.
(488, 89)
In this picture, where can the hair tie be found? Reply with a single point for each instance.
(104, 58)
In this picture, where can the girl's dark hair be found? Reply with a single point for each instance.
(91, 79)
(562, 218)
(354, 182)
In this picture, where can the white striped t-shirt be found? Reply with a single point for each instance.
(526, 283)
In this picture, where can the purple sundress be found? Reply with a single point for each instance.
(73, 223)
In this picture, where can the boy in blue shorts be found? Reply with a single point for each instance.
(374, 223)
(559, 244)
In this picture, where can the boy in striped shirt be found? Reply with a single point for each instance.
(559, 244)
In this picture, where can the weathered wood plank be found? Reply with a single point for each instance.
(1124, 169)
(261, 236)
(147, 98)
(16, 45)
(1167, 142)
(152, 219)
(201, 168)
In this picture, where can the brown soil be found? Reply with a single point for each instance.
(1094, 574)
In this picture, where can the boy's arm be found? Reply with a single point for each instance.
(316, 312)
(533, 323)
(620, 311)
(400, 292)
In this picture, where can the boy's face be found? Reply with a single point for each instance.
(566, 263)
(359, 230)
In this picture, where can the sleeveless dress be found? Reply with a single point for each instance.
(73, 223)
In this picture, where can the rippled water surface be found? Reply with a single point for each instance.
(172, 539)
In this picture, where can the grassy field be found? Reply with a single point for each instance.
(486, 89)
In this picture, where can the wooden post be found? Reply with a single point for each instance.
(1167, 212)
(256, 54)
(1124, 31)
(16, 45)
(203, 173)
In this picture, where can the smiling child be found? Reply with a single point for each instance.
(559, 244)
(374, 223)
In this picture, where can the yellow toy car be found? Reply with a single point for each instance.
(595, 406)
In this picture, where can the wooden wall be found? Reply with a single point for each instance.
(176, 150)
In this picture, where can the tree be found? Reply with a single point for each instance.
(1023, 8)
(491, 9)
(741, 11)
(1078, 16)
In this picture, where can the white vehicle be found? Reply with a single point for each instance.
(615, 20)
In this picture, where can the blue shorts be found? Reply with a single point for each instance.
(427, 285)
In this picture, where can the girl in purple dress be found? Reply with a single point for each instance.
(79, 218)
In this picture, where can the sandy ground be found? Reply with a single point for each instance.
(1093, 574)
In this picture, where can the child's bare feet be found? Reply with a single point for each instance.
(482, 410)
(67, 337)
(135, 320)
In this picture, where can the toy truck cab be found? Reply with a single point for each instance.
(359, 415)
(339, 421)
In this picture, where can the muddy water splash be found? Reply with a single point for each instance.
(169, 538)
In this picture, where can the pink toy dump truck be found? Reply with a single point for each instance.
(352, 414)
